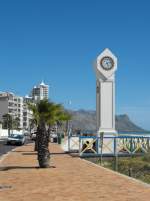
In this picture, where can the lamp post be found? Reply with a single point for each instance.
(68, 121)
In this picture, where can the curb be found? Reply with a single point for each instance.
(4, 156)
(7, 154)
(119, 174)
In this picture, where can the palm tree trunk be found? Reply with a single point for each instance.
(36, 139)
(8, 132)
(43, 142)
(36, 143)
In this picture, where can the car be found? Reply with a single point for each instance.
(16, 139)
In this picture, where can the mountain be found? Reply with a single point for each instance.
(123, 123)
(86, 120)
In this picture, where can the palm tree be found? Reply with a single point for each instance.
(34, 121)
(7, 122)
(46, 115)
(33, 126)
(16, 123)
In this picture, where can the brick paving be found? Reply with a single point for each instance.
(68, 179)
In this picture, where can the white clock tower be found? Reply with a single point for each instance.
(105, 67)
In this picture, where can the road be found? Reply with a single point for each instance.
(4, 148)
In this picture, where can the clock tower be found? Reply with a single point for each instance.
(105, 67)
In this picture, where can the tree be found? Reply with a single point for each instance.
(46, 115)
(16, 123)
(7, 122)
(34, 121)
(32, 124)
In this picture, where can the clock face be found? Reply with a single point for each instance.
(107, 63)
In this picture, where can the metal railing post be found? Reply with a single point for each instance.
(115, 154)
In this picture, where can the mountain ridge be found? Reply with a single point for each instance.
(86, 120)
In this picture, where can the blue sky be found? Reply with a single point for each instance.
(58, 40)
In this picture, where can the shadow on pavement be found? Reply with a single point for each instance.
(57, 153)
(7, 168)
(22, 151)
(33, 153)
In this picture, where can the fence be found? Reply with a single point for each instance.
(108, 145)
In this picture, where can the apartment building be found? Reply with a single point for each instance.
(11, 104)
(27, 114)
(17, 106)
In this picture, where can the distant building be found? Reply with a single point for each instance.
(13, 105)
(28, 99)
(40, 92)
(27, 114)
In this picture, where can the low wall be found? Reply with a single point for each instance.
(4, 133)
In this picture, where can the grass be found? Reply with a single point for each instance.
(136, 166)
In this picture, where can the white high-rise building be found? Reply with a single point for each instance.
(40, 92)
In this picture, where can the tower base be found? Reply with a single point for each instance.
(107, 132)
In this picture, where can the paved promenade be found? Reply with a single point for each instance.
(68, 179)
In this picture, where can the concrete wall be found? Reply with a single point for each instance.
(4, 133)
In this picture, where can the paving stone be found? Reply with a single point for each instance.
(68, 179)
